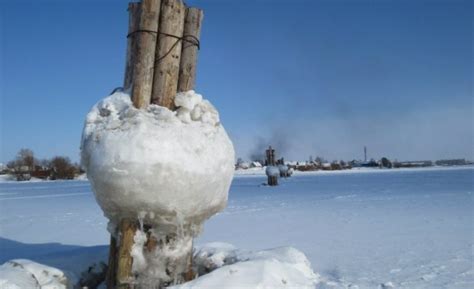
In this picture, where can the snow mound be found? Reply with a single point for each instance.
(7, 178)
(81, 177)
(168, 167)
(212, 256)
(277, 268)
(22, 274)
(283, 170)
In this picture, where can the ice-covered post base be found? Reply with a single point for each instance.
(148, 259)
(120, 259)
(126, 235)
(272, 174)
(162, 258)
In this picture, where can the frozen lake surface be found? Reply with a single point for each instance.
(413, 228)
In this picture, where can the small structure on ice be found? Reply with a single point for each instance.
(283, 171)
(255, 164)
(272, 171)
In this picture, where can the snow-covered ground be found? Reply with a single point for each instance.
(407, 228)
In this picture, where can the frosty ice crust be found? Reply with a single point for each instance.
(272, 171)
(168, 167)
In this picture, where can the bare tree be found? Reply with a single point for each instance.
(26, 157)
(62, 168)
(11, 165)
(319, 160)
(386, 163)
(44, 163)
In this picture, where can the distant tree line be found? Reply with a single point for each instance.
(25, 166)
(319, 163)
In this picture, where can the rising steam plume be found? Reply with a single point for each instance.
(279, 140)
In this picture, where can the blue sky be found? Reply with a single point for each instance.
(311, 77)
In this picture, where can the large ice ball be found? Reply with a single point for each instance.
(166, 166)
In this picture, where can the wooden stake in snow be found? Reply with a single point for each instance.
(189, 51)
(145, 53)
(124, 259)
(168, 53)
(141, 46)
(112, 268)
(270, 154)
(156, 48)
(133, 24)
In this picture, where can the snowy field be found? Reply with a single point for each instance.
(359, 229)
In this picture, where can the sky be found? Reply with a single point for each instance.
(320, 78)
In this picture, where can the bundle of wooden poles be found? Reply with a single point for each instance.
(162, 47)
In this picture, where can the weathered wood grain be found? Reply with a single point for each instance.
(133, 25)
(189, 50)
(112, 266)
(168, 53)
(124, 259)
(143, 68)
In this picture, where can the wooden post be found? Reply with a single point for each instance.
(133, 25)
(168, 53)
(189, 274)
(189, 50)
(145, 53)
(141, 46)
(127, 231)
(152, 73)
(112, 268)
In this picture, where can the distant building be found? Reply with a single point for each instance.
(326, 166)
(452, 162)
(255, 164)
(369, 164)
(242, 165)
(413, 164)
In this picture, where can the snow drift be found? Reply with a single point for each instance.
(226, 267)
(219, 265)
(26, 274)
(166, 167)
